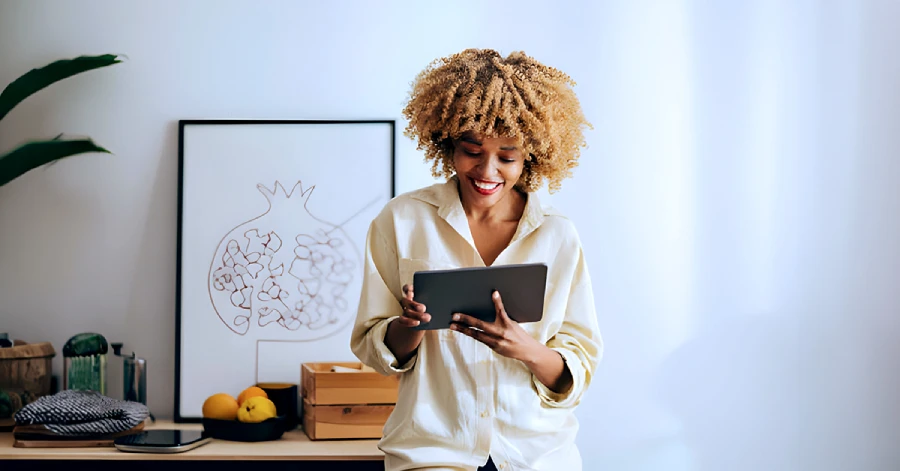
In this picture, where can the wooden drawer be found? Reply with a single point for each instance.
(321, 386)
(322, 422)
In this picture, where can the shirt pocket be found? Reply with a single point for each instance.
(409, 266)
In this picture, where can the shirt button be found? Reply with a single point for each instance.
(502, 465)
(484, 414)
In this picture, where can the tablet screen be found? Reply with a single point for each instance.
(161, 438)
(468, 290)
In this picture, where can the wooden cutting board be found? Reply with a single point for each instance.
(61, 442)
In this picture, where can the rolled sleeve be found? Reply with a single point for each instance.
(578, 342)
(568, 398)
(384, 357)
(379, 304)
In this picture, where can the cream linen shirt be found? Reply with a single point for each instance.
(459, 401)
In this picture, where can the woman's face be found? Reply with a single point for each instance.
(488, 167)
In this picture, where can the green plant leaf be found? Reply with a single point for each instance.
(34, 154)
(38, 79)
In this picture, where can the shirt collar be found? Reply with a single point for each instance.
(445, 196)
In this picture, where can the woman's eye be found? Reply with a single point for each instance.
(471, 153)
(509, 161)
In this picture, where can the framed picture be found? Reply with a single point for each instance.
(272, 224)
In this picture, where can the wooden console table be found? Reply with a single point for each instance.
(294, 446)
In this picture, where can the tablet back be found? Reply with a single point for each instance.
(468, 291)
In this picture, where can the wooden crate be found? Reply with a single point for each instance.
(321, 386)
(27, 366)
(345, 405)
(322, 422)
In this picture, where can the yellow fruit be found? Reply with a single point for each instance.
(256, 409)
(220, 406)
(252, 391)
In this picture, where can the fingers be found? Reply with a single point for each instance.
(413, 312)
(407, 322)
(417, 314)
(413, 318)
(478, 335)
(408, 303)
(493, 329)
(498, 304)
(469, 321)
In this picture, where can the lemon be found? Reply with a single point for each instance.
(256, 409)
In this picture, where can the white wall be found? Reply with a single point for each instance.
(737, 203)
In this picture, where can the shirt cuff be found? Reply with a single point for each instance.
(386, 358)
(569, 398)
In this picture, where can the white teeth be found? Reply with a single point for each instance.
(486, 186)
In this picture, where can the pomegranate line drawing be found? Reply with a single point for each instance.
(285, 269)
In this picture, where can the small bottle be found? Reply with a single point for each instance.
(84, 362)
(4, 340)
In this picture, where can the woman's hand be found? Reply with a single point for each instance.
(413, 312)
(505, 336)
(401, 339)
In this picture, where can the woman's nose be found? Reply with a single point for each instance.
(488, 166)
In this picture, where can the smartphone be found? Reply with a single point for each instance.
(162, 441)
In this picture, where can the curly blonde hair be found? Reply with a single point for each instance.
(478, 90)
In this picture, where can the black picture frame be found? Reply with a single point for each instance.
(184, 126)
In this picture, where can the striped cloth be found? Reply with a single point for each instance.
(78, 413)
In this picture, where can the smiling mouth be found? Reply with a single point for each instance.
(485, 187)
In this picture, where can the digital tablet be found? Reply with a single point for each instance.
(469, 290)
(162, 441)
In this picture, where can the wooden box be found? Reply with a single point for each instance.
(345, 405)
(25, 375)
(344, 421)
(28, 367)
(321, 386)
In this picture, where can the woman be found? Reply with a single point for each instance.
(483, 395)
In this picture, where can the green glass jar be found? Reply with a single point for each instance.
(84, 362)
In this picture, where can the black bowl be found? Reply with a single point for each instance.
(237, 431)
